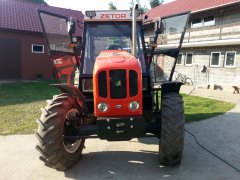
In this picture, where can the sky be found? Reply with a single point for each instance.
(84, 5)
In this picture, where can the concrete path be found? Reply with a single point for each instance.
(138, 158)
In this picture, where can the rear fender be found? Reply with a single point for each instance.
(70, 89)
(171, 87)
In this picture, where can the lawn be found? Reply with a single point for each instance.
(20, 105)
(198, 108)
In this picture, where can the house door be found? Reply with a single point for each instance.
(10, 59)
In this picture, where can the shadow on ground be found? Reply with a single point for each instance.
(118, 164)
(149, 141)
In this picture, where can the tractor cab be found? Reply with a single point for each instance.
(114, 71)
(106, 31)
(78, 48)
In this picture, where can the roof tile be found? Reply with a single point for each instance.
(180, 6)
(22, 15)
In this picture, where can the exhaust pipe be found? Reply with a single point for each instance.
(134, 30)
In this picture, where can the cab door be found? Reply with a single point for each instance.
(63, 48)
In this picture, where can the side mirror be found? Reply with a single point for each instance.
(146, 17)
(71, 26)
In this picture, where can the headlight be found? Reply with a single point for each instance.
(134, 105)
(103, 107)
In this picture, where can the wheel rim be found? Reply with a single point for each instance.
(70, 145)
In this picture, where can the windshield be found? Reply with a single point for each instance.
(109, 36)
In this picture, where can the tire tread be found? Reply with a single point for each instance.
(172, 130)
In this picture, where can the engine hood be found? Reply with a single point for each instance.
(113, 85)
(115, 59)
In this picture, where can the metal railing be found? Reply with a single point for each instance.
(219, 32)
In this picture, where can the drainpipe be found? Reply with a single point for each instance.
(134, 30)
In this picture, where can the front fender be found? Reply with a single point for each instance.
(171, 87)
(70, 89)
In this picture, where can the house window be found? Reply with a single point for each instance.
(215, 59)
(179, 60)
(206, 21)
(196, 23)
(230, 59)
(189, 59)
(209, 21)
(37, 48)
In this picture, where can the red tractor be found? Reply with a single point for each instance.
(113, 96)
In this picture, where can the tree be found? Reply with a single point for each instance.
(38, 1)
(141, 8)
(154, 3)
(111, 6)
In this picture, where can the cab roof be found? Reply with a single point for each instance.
(110, 15)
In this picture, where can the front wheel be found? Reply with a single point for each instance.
(60, 119)
(172, 129)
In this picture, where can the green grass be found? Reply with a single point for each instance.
(198, 108)
(20, 105)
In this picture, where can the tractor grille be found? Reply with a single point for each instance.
(102, 84)
(118, 89)
(133, 83)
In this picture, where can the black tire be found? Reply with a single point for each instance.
(55, 150)
(172, 130)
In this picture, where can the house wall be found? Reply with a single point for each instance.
(227, 27)
(224, 15)
(32, 64)
(221, 75)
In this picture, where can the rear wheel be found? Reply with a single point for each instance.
(60, 118)
(172, 130)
